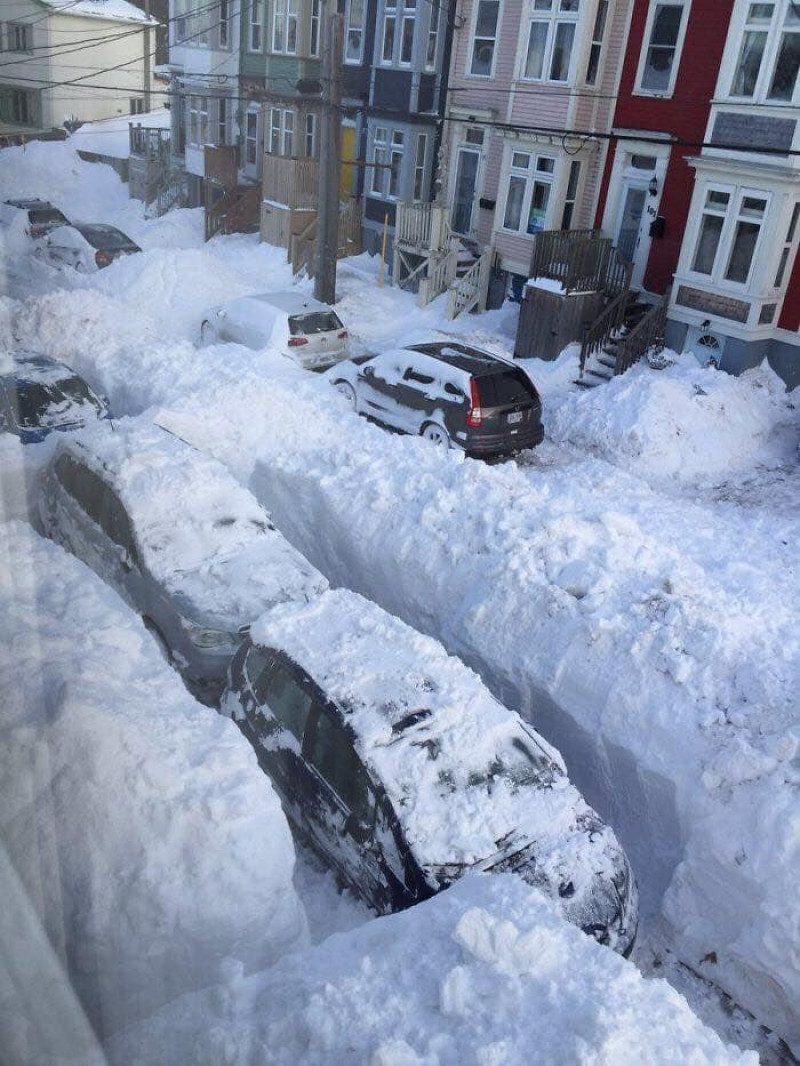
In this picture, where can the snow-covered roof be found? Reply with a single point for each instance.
(466, 776)
(110, 10)
(110, 136)
(201, 535)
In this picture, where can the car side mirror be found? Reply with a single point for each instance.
(368, 371)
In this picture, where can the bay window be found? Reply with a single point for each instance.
(745, 238)
(314, 31)
(528, 194)
(284, 27)
(354, 31)
(711, 223)
(728, 234)
(254, 34)
(484, 38)
(550, 40)
(395, 162)
(659, 63)
(768, 57)
(787, 247)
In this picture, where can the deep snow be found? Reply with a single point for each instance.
(631, 585)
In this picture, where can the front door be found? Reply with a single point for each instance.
(466, 177)
(629, 240)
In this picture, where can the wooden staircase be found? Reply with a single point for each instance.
(237, 211)
(636, 327)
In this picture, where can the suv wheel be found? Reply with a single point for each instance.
(436, 434)
(347, 390)
(207, 333)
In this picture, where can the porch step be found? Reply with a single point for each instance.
(600, 375)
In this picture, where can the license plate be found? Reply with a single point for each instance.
(515, 416)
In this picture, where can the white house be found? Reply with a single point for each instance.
(63, 60)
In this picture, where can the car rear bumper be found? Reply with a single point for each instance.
(483, 445)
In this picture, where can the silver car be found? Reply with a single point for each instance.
(191, 550)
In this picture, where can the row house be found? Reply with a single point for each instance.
(736, 293)
(524, 74)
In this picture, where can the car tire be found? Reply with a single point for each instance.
(436, 434)
(207, 333)
(349, 393)
(158, 637)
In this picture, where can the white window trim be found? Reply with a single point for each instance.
(379, 175)
(638, 89)
(258, 137)
(716, 279)
(255, 5)
(420, 166)
(348, 26)
(396, 150)
(532, 175)
(733, 47)
(392, 10)
(600, 44)
(312, 19)
(471, 43)
(284, 8)
(406, 15)
(311, 120)
(434, 27)
(552, 18)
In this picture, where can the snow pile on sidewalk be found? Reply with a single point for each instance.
(501, 979)
(149, 842)
(684, 422)
(654, 641)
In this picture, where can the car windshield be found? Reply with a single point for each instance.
(54, 403)
(105, 237)
(40, 215)
(314, 322)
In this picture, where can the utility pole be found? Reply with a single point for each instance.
(330, 151)
(147, 57)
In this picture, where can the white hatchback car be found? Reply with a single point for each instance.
(297, 325)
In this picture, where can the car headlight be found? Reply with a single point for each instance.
(202, 637)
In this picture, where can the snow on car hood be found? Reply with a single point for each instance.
(200, 534)
(468, 779)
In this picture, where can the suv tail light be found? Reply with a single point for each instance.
(295, 342)
(37, 231)
(102, 258)
(474, 413)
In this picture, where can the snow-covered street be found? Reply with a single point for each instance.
(630, 587)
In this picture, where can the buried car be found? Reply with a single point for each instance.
(36, 218)
(395, 762)
(452, 394)
(297, 325)
(39, 395)
(87, 246)
(190, 549)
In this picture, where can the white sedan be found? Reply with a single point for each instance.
(87, 247)
(296, 325)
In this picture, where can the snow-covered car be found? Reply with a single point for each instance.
(190, 549)
(39, 395)
(452, 394)
(295, 324)
(395, 762)
(87, 247)
(34, 218)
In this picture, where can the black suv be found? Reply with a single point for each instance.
(449, 393)
(394, 762)
(42, 217)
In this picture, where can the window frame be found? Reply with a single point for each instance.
(641, 90)
(468, 72)
(351, 27)
(717, 278)
(433, 35)
(397, 151)
(780, 25)
(223, 24)
(310, 134)
(390, 15)
(380, 147)
(288, 12)
(255, 25)
(12, 30)
(531, 175)
(595, 54)
(553, 19)
(408, 16)
(314, 28)
(419, 166)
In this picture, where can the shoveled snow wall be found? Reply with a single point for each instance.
(659, 658)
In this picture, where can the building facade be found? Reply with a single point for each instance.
(45, 82)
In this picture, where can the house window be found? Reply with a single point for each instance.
(787, 64)
(311, 134)
(745, 238)
(275, 131)
(18, 106)
(419, 166)
(529, 183)
(288, 133)
(389, 23)
(354, 38)
(433, 37)
(198, 121)
(407, 31)
(396, 162)
(769, 54)
(550, 39)
(314, 36)
(254, 37)
(284, 27)
(224, 17)
(379, 144)
(571, 194)
(751, 51)
(136, 104)
(598, 33)
(222, 120)
(484, 38)
(714, 212)
(659, 64)
(787, 247)
(19, 37)
(251, 138)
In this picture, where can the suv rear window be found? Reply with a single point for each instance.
(105, 237)
(314, 322)
(38, 216)
(503, 390)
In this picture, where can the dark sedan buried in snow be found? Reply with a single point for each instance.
(451, 394)
(39, 395)
(398, 766)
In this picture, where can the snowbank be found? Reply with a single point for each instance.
(149, 842)
(111, 137)
(501, 980)
(650, 639)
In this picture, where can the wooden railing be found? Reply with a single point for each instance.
(440, 275)
(469, 292)
(289, 181)
(422, 226)
(237, 211)
(173, 193)
(221, 164)
(647, 333)
(302, 249)
(582, 260)
(150, 143)
(607, 323)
